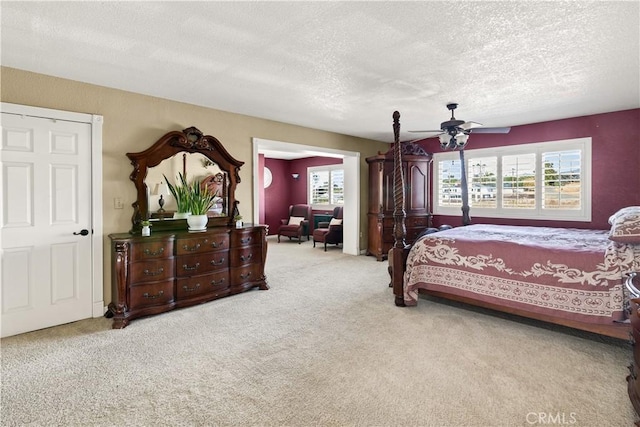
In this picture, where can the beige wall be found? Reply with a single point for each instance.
(133, 122)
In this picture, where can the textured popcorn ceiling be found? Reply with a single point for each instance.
(344, 66)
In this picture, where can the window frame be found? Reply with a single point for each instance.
(538, 213)
(330, 169)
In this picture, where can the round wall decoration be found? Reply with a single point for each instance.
(267, 177)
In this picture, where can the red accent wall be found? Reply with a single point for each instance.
(615, 162)
(284, 190)
(276, 196)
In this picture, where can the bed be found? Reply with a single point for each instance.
(571, 277)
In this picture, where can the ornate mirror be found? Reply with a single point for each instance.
(196, 156)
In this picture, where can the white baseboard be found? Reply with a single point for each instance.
(99, 309)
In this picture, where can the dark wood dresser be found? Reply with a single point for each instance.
(416, 165)
(170, 270)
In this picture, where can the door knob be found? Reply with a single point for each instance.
(83, 232)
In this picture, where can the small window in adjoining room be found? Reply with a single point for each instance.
(546, 180)
(326, 186)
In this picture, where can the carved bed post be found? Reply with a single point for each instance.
(464, 192)
(399, 213)
(397, 254)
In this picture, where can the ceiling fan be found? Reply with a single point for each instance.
(454, 133)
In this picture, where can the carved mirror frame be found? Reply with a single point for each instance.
(190, 140)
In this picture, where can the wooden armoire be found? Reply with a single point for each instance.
(416, 165)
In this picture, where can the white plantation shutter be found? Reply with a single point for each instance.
(482, 178)
(337, 187)
(319, 181)
(562, 180)
(326, 186)
(528, 181)
(519, 181)
(449, 183)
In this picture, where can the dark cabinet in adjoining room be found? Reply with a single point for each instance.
(416, 164)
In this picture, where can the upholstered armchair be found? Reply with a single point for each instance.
(297, 225)
(329, 232)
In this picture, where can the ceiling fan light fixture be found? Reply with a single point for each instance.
(454, 134)
(461, 139)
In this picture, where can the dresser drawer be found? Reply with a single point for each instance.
(417, 221)
(206, 243)
(151, 271)
(248, 273)
(214, 283)
(150, 294)
(245, 237)
(152, 249)
(192, 265)
(246, 255)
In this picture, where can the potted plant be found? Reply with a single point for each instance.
(200, 201)
(180, 191)
(238, 219)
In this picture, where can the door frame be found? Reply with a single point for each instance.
(95, 121)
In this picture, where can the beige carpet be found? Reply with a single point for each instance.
(324, 346)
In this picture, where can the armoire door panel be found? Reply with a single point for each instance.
(417, 179)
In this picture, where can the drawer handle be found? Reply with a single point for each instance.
(217, 245)
(195, 267)
(245, 276)
(188, 289)
(191, 248)
(214, 262)
(154, 253)
(246, 258)
(247, 240)
(159, 294)
(219, 282)
(154, 273)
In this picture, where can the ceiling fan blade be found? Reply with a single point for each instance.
(469, 125)
(425, 131)
(490, 130)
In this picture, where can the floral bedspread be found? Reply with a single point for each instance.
(572, 273)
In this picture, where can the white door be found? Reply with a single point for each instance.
(46, 203)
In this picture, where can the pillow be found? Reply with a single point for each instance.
(624, 211)
(625, 225)
(335, 221)
(295, 220)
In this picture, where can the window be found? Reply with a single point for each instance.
(547, 180)
(326, 186)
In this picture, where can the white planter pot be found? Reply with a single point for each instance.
(146, 230)
(197, 222)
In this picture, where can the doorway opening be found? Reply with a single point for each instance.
(351, 163)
